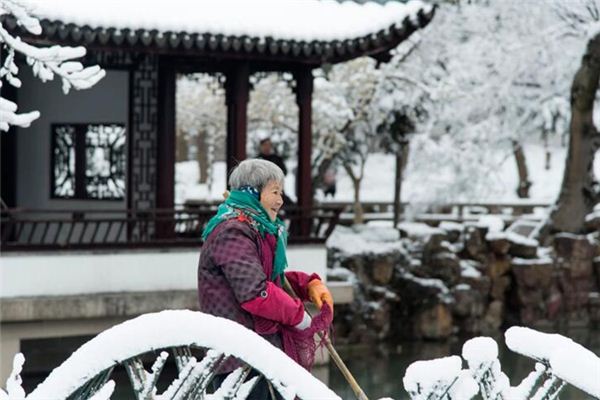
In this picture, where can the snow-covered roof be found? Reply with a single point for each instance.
(326, 29)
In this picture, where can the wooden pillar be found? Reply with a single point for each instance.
(8, 156)
(165, 171)
(237, 88)
(304, 88)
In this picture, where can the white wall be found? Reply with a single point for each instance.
(52, 274)
(107, 101)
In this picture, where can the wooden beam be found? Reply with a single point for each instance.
(304, 89)
(237, 88)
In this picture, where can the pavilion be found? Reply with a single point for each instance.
(143, 45)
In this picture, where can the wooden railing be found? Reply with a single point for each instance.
(93, 229)
(434, 214)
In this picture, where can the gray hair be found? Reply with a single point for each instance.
(256, 173)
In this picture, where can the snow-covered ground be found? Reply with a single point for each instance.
(378, 184)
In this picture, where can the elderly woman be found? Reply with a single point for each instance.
(242, 263)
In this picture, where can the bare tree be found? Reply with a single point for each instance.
(579, 191)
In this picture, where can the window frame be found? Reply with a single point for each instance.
(80, 154)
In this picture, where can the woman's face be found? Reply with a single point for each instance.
(271, 198)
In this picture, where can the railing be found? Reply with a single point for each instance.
(434, 214)
(94, 229)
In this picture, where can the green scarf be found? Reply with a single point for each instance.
(239, 203)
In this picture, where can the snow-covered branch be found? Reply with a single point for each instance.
(559, 361)
(45, 63)
(579, 16)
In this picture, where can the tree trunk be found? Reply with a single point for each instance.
(578, 191)
(401, 158)
(358, 209)
(524, 183)
(359, 217)
(202, 156)
(181, 151)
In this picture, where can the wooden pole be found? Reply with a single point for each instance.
(358, 392)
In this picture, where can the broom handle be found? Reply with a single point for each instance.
(358, 392)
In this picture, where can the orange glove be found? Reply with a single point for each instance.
(318, 293)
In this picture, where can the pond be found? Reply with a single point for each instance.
(379, 370)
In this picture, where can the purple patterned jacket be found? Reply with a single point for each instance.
(234, 282)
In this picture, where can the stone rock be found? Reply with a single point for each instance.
(522, 247)
(435, 243)
(594, 307)
(481, 284)
(500, 287)
(382, 270)
(596, 266)
(444, 266)
(379, 317)
(533, 273)
(499, 246)
(498, 266)
(474, 245)
(468, 302)
(554, 303)
(595, 240)
(575, 254)
(434, 323)
(469, 326)
(453, 229)
(568, 245)
(575, 293)
(383, 293)
(592, 222)
(493, 318)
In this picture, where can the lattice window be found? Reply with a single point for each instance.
(88, 161)
(63, 166)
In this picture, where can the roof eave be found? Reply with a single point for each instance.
(225, 47)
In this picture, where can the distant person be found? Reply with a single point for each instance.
(329, 182)
(266, 152)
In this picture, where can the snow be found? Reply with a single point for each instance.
(532, 261)
(444, 293)
(341, 274)
(178, 328)
(480, 350)
(441, 369)
(492, 222)
(429, 379)
(281, 19)
(418, 229)
(450, 226)
(351, 242)
(569, 360)
(468, 270)
(462, 286)
(593, 215)
(511, 237)
(14, 382)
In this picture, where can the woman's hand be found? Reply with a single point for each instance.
(319, 294)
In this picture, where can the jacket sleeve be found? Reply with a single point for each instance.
(299, 282)
(236, 253)
(276, 305)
